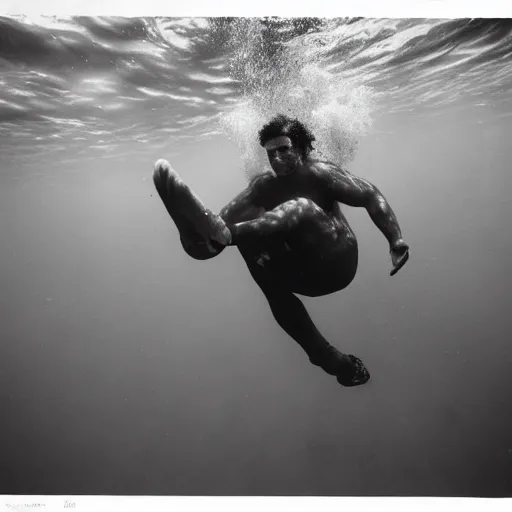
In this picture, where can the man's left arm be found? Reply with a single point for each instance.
(355, 191)
(246, 205)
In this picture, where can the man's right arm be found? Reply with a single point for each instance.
(245, 206)
(355, 191)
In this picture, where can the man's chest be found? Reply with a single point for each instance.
(280, 190)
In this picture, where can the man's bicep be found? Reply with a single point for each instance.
(349, 189)
(244, 206)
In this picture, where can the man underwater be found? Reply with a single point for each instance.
(291, 232)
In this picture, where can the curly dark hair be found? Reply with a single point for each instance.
(282, 125)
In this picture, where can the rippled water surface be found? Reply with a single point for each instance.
(99, 87)
(128, 368)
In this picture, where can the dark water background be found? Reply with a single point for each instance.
(128, 368)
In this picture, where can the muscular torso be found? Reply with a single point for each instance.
(271, 191)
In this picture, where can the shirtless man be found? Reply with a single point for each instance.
(291, 232)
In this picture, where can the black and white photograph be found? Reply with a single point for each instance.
(255, 256)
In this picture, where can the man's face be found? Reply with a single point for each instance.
(283, 157)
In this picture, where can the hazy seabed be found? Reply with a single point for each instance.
(128, 368)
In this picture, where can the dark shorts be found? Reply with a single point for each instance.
(310, 273)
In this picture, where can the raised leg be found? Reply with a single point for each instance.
(292, 316)
(203, 234)
(299, 222)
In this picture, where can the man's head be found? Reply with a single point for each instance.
(287, 142)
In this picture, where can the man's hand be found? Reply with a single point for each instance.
(399, 255)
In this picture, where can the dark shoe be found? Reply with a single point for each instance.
(354, 374)
(349, 370)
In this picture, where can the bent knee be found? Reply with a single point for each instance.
(299, 201)
(301, 205)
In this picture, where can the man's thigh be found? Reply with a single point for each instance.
(307, 273)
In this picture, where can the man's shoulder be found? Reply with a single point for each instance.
(324, 168)
(261, 180)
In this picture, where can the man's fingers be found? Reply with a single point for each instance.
(400, 263)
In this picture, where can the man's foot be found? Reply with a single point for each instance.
(349, 370)
(355, 373)
(195, 222)
(399, 256)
